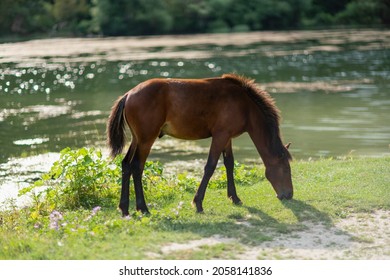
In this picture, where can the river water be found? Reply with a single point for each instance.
(332, 87)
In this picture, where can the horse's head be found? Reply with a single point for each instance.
(278, 172)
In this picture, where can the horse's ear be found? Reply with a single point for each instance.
(288, 145)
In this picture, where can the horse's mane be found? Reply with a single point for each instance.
(267, 106)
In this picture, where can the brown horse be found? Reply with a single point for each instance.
(221, 108)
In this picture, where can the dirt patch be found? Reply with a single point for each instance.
(195, 244)
(370, 234)
(360, 236)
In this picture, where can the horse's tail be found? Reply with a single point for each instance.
(116, 127)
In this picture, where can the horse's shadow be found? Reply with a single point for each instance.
(305, 214)
(259, 227)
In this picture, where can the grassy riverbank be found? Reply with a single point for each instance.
(327, 192)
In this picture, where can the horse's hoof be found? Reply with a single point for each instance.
(199, 208)
(235, 200)
(238, 203)
(124, 213)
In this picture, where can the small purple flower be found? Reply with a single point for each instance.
(55, 217)
(94, 212)
(96, 209)
(178, 208)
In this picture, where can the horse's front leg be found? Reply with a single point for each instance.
(228, 160)
(217, 146)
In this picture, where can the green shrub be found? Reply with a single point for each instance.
(79, 179)
(83, 178)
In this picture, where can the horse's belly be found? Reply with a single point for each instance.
(185, 131)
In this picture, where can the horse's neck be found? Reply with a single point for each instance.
(260, 140)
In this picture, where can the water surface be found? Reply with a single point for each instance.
(332, 88)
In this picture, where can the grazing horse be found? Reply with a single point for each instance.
(221, 108)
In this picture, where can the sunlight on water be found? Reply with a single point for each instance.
(30, 142)
(331, 86)
(18, 173)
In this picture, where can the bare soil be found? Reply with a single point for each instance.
(360, 236)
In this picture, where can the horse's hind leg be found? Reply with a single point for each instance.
(228, 160)
(137, 166)
(126, 173)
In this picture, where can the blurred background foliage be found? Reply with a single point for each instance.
(147, 17)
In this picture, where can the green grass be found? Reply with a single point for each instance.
(325, 191)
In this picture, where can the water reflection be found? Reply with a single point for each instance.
(332, 88)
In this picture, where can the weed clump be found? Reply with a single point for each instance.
(79, 179)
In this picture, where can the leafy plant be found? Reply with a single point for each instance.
(83, 178)
(80, 178)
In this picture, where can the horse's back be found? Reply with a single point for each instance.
(189, 108)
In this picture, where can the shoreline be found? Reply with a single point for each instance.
(60, 50)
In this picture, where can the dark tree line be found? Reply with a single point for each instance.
(143, 17)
